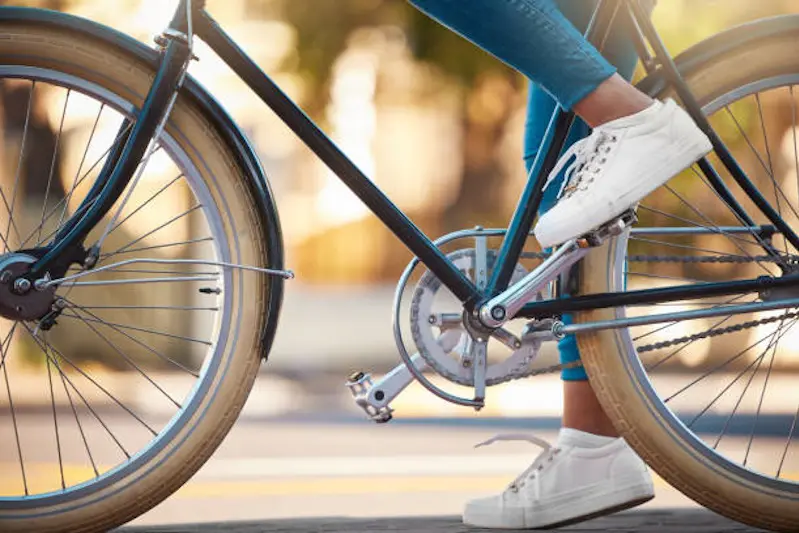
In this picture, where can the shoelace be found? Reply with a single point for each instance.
(545, 457)
(589, 154)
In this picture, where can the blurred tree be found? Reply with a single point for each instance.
(490, 89)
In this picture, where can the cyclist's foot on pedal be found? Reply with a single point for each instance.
(618, 165)
(583, 476)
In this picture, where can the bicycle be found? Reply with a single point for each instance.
(230, 269)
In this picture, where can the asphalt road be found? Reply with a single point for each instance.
(683, 520)
(347, 475)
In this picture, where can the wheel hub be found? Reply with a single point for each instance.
(18, 300)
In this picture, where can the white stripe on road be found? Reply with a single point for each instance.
(397, 465)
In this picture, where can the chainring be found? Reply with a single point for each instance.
(436, 348)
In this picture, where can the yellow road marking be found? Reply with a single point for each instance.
(42, 477)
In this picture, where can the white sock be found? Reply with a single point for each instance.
(581, 439)
(636, 119)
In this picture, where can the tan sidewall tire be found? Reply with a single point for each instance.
(164, 473)
(624, 398)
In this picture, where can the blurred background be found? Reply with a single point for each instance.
(438, 125)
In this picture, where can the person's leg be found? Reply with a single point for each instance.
(637, 144)
(589, 471)
(581, 409)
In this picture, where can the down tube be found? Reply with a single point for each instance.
(334, 158)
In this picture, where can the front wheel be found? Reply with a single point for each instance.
(725, 433)
(113, 405)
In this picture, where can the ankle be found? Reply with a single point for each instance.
(612, 100)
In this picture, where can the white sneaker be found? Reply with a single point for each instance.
(582, 477)
(617, 166)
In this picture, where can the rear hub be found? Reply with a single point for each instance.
(19, 300)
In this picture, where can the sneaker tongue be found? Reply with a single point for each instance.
(581, 439)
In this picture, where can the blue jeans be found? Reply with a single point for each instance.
(542, 39)
(620, 51)
(532, 36)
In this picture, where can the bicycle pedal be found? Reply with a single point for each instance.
(611, 229)
(360, 385)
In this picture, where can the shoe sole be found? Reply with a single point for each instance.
(596, 514)
(636, 494)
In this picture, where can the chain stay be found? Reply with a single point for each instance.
(687, 259)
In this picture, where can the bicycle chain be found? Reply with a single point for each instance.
(715, 332)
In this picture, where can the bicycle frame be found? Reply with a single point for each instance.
(191, 19)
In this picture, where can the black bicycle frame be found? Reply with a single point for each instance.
(117, 174)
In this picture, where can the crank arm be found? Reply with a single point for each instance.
(375, 398)
(505, 306)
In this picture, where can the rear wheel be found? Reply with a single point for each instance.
(725, 434)
(111, 409)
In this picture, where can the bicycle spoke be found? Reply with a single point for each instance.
(92, 380)
(741, 396)
(143, 330)
(17, 174)
(129, 361)
(151, 307)
(793, 135)
(661, 276)
(724, 390)
(78, 423)
(714, 369)
(770, 162)
(134, 339)
(65, 379)
(55, 417)
(777, 189)
(788, 442)
(3, 354)
(159, 228)
(713, 230)
(760, 402)
(71, 192)
(686, 247)
(706, 219)
(684, 345)
(153, 147)
(670, 324)
(758, 238)
(53, 163)
(740, 375)
(159, 247)
(145, 203)
(14, 422)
